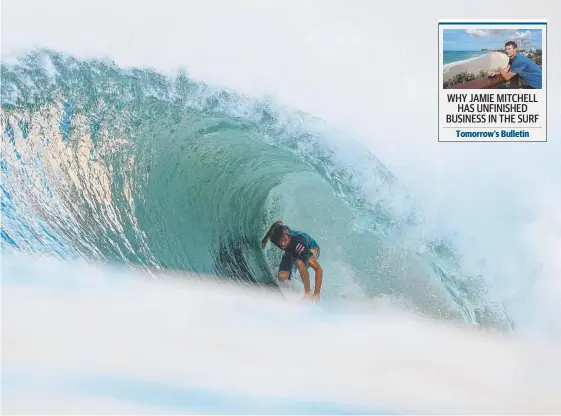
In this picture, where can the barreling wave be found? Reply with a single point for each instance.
(131, 166)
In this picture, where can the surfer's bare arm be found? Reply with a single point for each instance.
(269, 233)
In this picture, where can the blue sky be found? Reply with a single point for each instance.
(476, 39)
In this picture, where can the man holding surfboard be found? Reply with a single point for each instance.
(300, 250)
(520, 65)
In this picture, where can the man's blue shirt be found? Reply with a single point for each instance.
(528, 70)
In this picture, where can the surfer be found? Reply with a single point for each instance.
(520, 65)
(300, 250)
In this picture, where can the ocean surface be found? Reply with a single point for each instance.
(456, 56)
(161, 175)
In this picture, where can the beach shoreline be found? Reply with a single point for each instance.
(487, 62)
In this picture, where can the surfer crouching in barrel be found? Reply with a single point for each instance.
(300, 250)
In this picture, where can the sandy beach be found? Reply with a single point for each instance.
(490, 62)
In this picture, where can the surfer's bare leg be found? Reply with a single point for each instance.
(313, 262)
(305, 275)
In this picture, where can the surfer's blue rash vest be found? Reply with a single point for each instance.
(300, 245)
(299, 248)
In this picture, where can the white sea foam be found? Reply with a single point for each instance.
(71, 330)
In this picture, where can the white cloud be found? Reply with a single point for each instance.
(523, 35)
(485, 33)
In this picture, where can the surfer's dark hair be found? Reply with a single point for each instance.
(279, 232)
(511, 43)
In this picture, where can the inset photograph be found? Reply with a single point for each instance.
(480, 58)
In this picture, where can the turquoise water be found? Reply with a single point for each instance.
(129, 166)
(455, 56)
